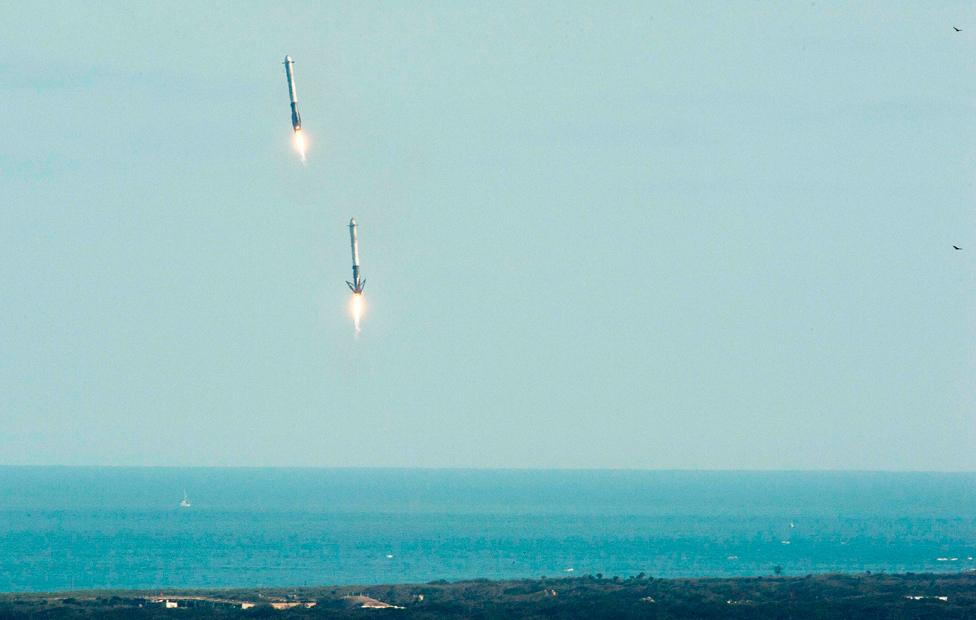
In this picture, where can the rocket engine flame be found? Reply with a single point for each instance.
(300, 144)
(357, 305)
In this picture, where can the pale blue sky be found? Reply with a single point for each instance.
(642, 235)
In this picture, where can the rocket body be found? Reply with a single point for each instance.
(296, 118)
(357, 283)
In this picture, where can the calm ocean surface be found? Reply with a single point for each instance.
(67, 528)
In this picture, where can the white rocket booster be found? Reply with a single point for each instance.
(296, 118)
(357, 284)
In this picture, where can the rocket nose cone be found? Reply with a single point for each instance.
(288, 59)
(352, 222)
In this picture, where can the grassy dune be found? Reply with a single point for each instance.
(818, 596)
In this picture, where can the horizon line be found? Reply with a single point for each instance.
(492, 469)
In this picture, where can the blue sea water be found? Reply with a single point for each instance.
(73, 528)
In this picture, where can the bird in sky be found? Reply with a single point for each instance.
(957, 29)
(956, 247)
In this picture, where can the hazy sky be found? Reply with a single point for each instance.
(645, 236)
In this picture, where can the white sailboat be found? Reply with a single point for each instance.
(185, 502)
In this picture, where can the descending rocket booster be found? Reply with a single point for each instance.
(296, 118)
(357, 283)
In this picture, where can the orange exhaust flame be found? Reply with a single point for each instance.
(300, 144)
(357, 306)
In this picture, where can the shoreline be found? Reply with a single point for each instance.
(852, 595)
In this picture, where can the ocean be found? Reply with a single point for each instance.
(66, 528)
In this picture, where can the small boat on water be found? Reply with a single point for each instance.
(185, 502)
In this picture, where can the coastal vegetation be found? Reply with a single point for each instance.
(589, 596)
